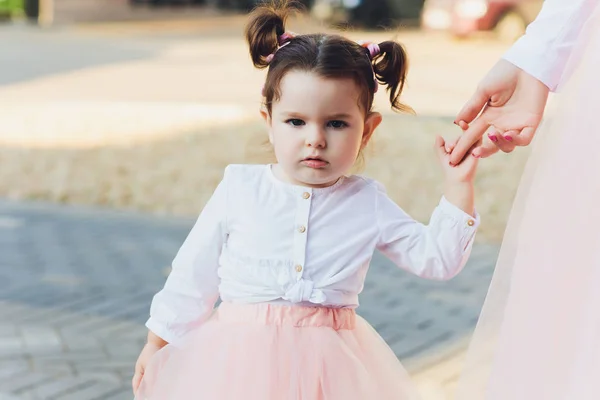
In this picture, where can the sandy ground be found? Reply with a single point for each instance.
(176, 175)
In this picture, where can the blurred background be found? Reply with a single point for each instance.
(117, 118)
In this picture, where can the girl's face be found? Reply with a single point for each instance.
(317, 128)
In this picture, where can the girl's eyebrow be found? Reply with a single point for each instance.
(340, 116)
(333, 116)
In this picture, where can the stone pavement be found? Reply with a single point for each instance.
(76, 284)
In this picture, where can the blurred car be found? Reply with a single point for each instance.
(28, 8)
(248, 5)
(166, 2)
(231, 5)
(507, 18)
(368, 13)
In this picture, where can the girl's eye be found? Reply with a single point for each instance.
(295, 122)
(338, 124)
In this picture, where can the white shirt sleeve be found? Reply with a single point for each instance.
(436, 251)
(545, 48)
(191, 290)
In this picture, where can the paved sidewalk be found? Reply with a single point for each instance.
(76, 284)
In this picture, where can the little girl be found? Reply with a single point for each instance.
(287, 246)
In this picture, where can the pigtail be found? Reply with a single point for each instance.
(391, 67)
(266, 24)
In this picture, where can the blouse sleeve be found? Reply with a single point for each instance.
(545, 48)
(191, 290)
(437, 251)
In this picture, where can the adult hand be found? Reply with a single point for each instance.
(507, 99)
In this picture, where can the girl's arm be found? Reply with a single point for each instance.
(156, 340)
(191, 290)
(436, 251)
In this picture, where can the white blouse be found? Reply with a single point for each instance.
(545, 48)
(259, 239)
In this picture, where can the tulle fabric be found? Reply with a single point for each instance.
(278, 352)
(538, 337)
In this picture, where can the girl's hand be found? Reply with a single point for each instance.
(464, 172)
(140, 366)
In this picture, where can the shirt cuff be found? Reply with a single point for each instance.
(465, 224)
(448, 208)
(537, 59)
(160, 330)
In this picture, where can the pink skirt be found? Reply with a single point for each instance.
(538, 336)
(278, 352)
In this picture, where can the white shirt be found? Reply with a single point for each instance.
(259, 239)
(545, 48)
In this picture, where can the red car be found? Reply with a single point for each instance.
(508, 18)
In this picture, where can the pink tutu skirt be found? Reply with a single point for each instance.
(278, 352)
(538, 336)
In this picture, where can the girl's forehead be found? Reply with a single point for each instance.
(307, 88)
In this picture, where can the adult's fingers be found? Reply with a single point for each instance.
(525, 137)
(510, 135)
(503, 140)
(520, 123)
(463, 125)
(486, 149)
(473, 107)
(467, 140)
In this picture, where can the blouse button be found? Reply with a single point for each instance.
(298, 268)
(471, 222)
(305, 195)
(302, 229)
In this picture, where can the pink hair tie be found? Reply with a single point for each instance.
(374, 50)
(283, 40)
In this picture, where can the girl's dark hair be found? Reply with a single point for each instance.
(329, 56)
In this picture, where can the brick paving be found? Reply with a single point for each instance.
(76, 284)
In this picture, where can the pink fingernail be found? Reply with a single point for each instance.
(492, 137)
(509, 138)
(476, 156)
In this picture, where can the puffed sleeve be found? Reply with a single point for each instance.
(436, 251)
(191, 290)
(545, 48)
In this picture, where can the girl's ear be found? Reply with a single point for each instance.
(267, 118)
(371, 123)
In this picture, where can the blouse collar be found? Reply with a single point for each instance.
(300, 188)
